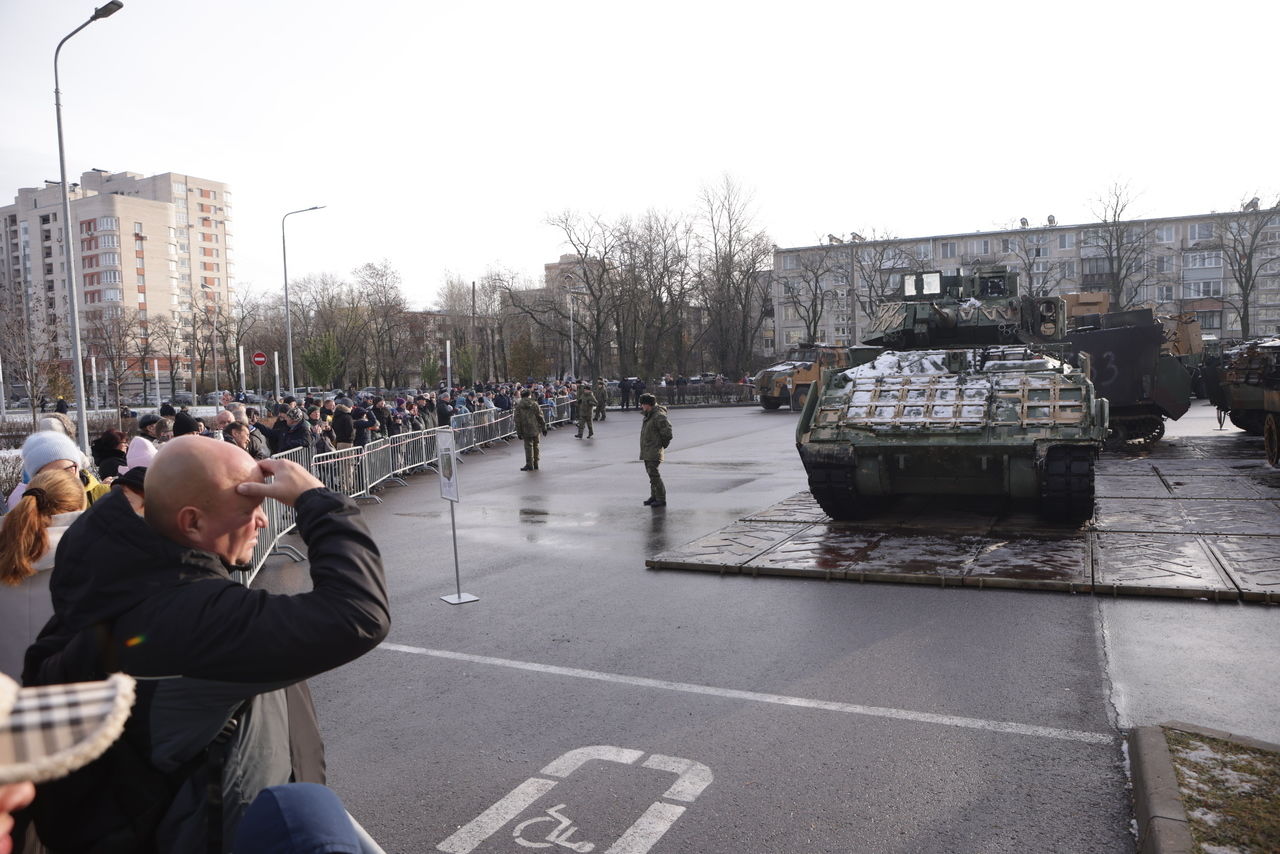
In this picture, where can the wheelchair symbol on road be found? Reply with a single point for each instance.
(691, 778)
(559, 835)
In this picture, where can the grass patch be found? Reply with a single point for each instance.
(1231, 793)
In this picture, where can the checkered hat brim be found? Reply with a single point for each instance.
(50, 731)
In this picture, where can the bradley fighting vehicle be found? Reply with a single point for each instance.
(1137, 363)
(1247, 390)
(968, 390)
(789, 381)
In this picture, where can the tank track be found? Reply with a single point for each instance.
(834, 490)
(1134, 432)
(1066, 485)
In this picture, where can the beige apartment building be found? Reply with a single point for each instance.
(155, 245)
(1179, 264)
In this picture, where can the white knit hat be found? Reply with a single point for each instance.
(50, 731)
(46, 446)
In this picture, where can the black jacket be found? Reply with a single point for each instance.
(344, 429)
(202, 645)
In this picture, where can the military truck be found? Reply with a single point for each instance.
(1137, 363)
(971, 392)
(788, 382)
(1248, 391)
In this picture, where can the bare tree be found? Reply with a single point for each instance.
(807, 289)
(1115, 253)
(1250, 240)
(878, 262)
(29, 346)
(113, 335)
(732, 278)
(389, 329)
(1030, 256)
(171, 340)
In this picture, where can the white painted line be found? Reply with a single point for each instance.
(480, 828)
(647, 830)
(776, 699)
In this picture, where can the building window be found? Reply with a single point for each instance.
(1164, 293)
(1163, 233)
(180, 190)
(980, 247)
(108, 223)
(1202, 290)
(139, 261)
(110, 259)
(109, 241)
(1209, 319)
(1165, 264)
(137, 228)
(1097, 266)
(88, 244)
(112, 295)
(1200, 231)
(142, 280)
(1040, 267)
(1039, 252)
(1068, 269)
(1195, 260)
(90, 261)
(1009, 244)
(110, 277)
(88, 226)
(1066, 240)
(949, 249)
(924, 251)
(791, 262)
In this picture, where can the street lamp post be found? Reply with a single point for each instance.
(288, 317)
(68, 250)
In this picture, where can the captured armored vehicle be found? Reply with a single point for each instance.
(1133, 364)
(1248, 391)
(788, 382)
(972, 395)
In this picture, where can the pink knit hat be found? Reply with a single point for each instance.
(139, 455)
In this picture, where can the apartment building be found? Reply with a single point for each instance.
(155, 245)
(1175, 264)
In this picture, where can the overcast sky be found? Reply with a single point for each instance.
(441, 137)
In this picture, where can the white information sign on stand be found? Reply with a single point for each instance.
(448, 468)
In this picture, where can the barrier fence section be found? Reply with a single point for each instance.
(357, 471)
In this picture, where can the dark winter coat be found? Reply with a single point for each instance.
(344, 428)
(530, 423)
(202, 645)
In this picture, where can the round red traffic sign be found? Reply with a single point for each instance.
(259, 358)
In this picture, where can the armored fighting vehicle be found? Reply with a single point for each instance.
(1134, 366)
(788, 382)
(973, 394)
(1248, 391)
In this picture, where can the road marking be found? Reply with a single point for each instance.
(691, 778)
(776, 699)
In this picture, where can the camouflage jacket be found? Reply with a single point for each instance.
(655, 434)
(529, 421)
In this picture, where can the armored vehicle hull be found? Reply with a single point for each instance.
(1248, 391)
(999, 420)
(1142, 384)
(788, 382)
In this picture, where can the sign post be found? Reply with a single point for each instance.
(449, 492)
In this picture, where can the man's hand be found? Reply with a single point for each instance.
(13, 796)
(289, 481)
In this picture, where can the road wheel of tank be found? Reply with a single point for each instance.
(1117, 435)
(1248, 420)
(834, 490)
(1066, 484)
(770, 402)
(798, 397)
(1271, 439)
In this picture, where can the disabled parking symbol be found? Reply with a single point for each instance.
(555, 829)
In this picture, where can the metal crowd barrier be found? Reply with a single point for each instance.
(357, 471)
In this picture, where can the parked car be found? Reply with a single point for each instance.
(182, 398)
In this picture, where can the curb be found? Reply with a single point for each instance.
(1157, 799)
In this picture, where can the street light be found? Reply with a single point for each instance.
(68, 250)
(288, 317)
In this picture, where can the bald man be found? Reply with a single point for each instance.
(155, 600)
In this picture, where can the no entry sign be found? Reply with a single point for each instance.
(259, 358)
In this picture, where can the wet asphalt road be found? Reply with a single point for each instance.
(831, 717)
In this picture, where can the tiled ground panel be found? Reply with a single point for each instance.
(1199, 520)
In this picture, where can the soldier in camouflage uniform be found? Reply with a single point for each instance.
(655, 436)
(586, 403)
(530, 426)
(602, 398)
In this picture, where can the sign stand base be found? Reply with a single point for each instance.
(460, 598)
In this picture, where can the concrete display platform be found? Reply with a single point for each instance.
(1194, 518)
